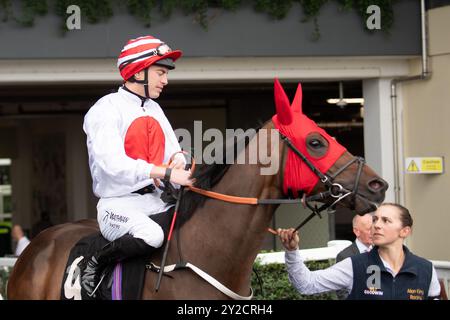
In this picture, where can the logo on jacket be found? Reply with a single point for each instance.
(415, 294)
(373, 291)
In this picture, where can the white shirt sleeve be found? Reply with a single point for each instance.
(337, 277)
(435, 287)
(107, 152)
(21, 245)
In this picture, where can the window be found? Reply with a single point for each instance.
(5, 190)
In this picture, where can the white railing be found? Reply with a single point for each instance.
(325, 253)
(443, 273)
(7, 262)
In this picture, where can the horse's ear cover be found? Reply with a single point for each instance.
(284, 112)
(297, 103)
(291, 122)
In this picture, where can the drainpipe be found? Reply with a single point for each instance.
(425, 75)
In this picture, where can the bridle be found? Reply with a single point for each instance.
(334, 190)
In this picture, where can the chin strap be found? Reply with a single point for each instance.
(143, 82)
(143, 99)
(147, 92)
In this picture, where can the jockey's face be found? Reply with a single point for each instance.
(157, 80)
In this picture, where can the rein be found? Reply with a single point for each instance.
(334, 190)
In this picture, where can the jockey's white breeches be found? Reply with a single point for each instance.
(130, 214)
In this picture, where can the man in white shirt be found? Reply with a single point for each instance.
(363, 241)
(19, 236)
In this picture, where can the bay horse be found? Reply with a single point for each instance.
(219, 237)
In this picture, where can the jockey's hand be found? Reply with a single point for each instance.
(177, 164)
(178, 161)
(181, 177)
(177, 176)
(289, 238)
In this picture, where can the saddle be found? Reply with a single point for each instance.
(123, 280)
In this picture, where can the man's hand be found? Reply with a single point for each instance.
(289, 238)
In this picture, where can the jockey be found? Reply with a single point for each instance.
(130, 142)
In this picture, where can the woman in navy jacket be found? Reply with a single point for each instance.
(388, 271)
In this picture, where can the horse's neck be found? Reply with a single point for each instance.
(224, 238)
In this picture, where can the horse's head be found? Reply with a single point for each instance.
(327, 166)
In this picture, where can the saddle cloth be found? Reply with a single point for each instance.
(124, 281)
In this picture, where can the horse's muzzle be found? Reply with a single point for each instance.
(377, 185)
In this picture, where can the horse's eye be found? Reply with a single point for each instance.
(316, 143)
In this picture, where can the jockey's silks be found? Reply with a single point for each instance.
(125, 140)
(145, 140)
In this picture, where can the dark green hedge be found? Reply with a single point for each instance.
(4, 274)
(95, 11)
(275, 285)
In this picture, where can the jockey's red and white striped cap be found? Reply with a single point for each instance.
(140, 53)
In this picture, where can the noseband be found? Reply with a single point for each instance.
(334, 190)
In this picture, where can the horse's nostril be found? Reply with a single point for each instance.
(377, 185)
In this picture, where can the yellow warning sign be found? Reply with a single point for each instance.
(434, 165)
(412, 167)
(427, 165)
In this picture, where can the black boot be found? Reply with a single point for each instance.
(124, 247)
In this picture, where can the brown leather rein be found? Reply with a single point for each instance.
(243, 200)
(234, 199)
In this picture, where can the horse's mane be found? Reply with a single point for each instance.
(206, 177)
